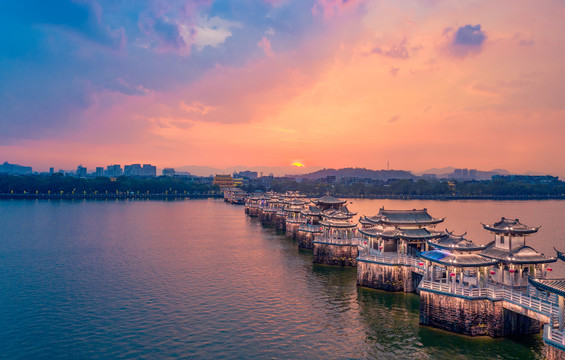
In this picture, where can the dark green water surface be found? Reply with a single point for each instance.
(199, 279)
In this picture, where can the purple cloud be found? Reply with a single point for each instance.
(470, 35)
(467, 40)
(399, 51)
(63, 61)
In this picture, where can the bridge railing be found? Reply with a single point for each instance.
(553, 334)
(387, 258)
(549, 297)
(310, 227)
(534, 301)
(491, 293)
(331, 240)
(538, 305)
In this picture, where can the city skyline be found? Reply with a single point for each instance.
(323, 83)
(114, 170)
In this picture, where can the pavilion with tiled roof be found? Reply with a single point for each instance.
(402, 218)
(329, 202)
(510, 226)
(459, 258)
(312, 216)
(338, 243)
(553, 286)
(399, 231)
(515, 258)
(398, 239)
(294, 219)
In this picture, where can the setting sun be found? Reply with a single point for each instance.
(297, 164)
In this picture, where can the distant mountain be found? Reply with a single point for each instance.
(436, 171)
(318, 173)
(266, 170)
(467, 174)
(361, 173)
(500, 172)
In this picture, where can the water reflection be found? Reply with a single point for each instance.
(199, 279)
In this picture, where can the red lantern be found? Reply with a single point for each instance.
(452, 274)
(549, 269)
(512, 271)
(421, 263)
(492, 272)
(380, 247)
(364, 242)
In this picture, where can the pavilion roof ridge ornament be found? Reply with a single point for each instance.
(454, 235)
(560, 254)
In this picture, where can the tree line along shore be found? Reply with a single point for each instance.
(100, 187)
(422, 189)
(165, 186)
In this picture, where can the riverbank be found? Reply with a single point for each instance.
(452, 197)
(110, 196)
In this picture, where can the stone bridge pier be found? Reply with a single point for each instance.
(477, 316)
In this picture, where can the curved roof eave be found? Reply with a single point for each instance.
(486, 262)
(555, 286)
(427, 222)
(490, 227)
(447, 247)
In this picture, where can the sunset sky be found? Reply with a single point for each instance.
(324, 83)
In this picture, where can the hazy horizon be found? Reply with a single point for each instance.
(200, 170)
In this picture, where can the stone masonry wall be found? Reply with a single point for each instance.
(339, 255)
(280, 222)
(305, 239)
(553, 353)
(268, 218)
(292, 230)
(261, 215)
(462, 316)
(385, 277)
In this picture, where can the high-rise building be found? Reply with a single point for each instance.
(51, 170)
(114, 170)
(168, 172)
(132, 170)
(99, 171)
(246, 174)
(149, 170)
(81, 171)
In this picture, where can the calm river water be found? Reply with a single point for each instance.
(199, 279)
